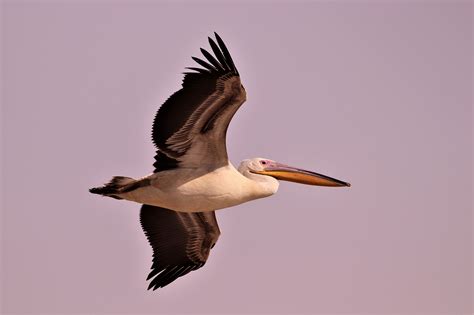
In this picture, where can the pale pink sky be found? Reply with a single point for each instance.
(375, 93)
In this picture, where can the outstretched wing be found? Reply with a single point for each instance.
(181, 241)
(190, 127)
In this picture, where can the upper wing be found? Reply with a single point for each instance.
(181, 241)
(190, 127)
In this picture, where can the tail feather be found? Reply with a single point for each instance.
(117, 185)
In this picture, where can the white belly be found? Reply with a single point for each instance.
(191, 190)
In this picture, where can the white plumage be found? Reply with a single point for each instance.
(201, 189)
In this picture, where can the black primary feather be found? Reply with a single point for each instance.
(200, 70)
(226, 53)
(204, 64)
(212, 60)
(218, 54)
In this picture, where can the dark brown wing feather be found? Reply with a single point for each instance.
(209, 96)
(181, 242)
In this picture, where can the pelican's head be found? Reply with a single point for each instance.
(280, 171)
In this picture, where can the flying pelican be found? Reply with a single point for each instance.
(193, 176)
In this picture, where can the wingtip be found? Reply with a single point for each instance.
(211, 41)
(150, 286)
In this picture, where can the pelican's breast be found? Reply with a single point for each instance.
(220, 188)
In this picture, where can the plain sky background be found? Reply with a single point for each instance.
(375, 93)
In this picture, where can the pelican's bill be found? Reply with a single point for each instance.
(293, 174)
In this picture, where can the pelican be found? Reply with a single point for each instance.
(193, 176)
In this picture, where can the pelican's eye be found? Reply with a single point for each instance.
(263, 162)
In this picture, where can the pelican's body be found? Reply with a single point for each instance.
(193, 176)
(195, 189)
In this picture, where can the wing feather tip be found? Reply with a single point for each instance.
(152, 274)
(150, 286)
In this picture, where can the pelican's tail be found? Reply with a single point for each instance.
(117, 185)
